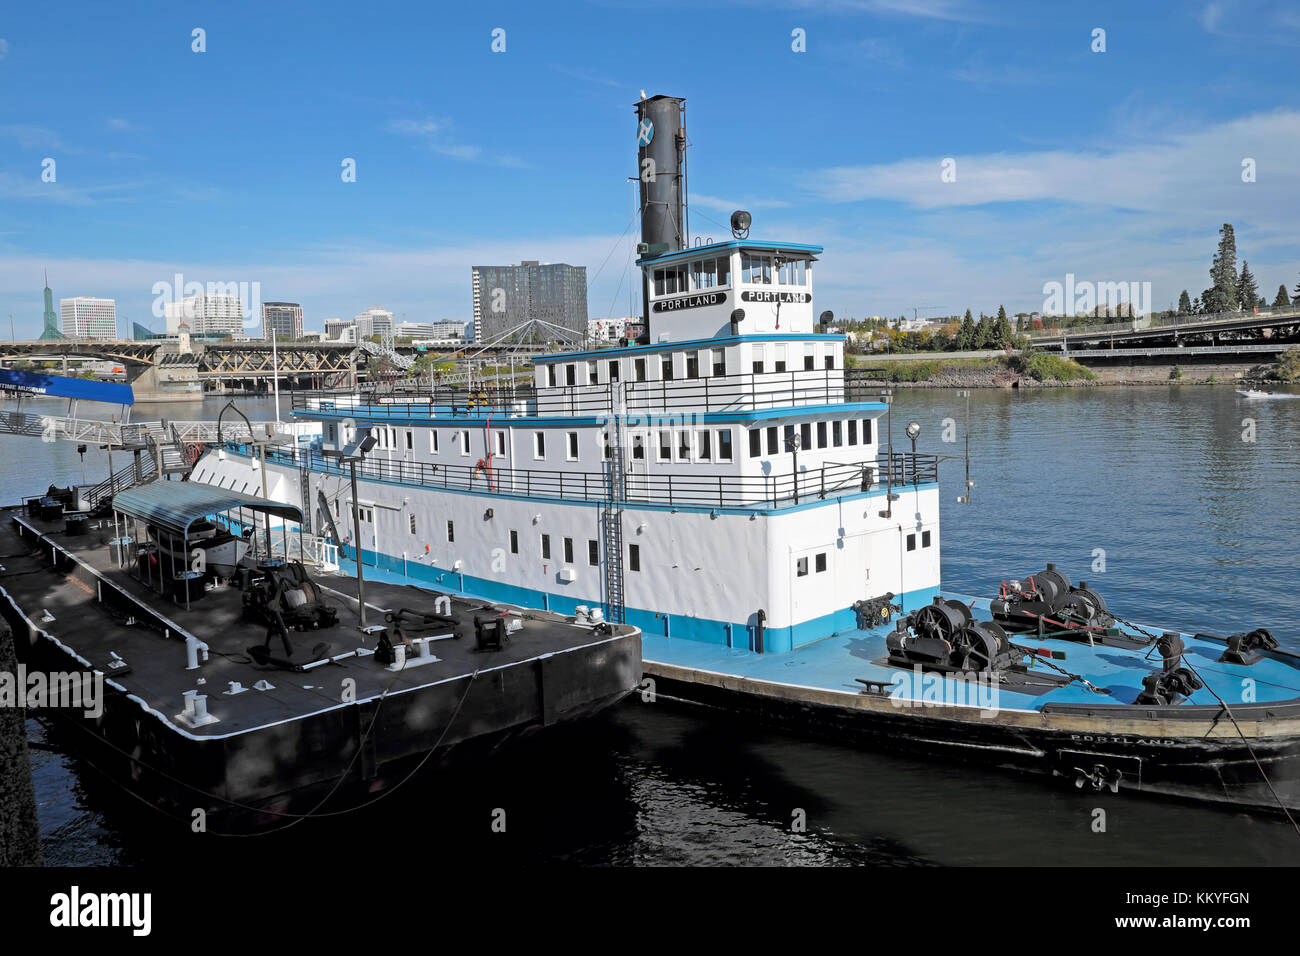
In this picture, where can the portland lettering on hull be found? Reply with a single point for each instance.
(691, 301)
(789, 297)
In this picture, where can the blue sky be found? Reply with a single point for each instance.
(225, 165)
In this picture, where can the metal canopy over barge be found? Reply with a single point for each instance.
(249, 704)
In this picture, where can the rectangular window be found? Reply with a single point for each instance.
(837, 434)
(665, 445)
(819, 562)
(809, 359)
(805, 435)
(821, 434)
(683, 445)
(724, 444)
(593, 553)
(501, 444)
(539, 446)
(667, 367)
(514, 541)
(911, 542)
(692, 364)
(719, 362)
(925, 539)
(724, 270)
(573, 446)
(464, 443)
(771, 440)
(570, 375)
(758, 360)
(568, 550)
(550, 375)
(433, 441)
(788, 438)
(755, 443)
(592, 377)
(546, 547)
(780, 358)
(638, 447)
(451, 530)
(613, 371)
(639, 369)
(706, 445)
(411, 520)
(829, 360)
(634, 557)
(801, 567)
(410, 440)
(853, 431)
(866, 431)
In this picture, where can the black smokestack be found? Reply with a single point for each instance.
(661, 170)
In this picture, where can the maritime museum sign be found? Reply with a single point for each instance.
(691, 301)
(776, 297)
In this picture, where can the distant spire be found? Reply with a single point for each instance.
(47, 278)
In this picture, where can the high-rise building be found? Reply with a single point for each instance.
(374, 321)
(207, 314)
(284, 317)
(84, 317)
(531, 300)
(51, 329)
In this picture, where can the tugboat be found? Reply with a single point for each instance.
(727, 484)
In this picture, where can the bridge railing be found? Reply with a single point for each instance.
(1145, 323)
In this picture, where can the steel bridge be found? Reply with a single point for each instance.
(1226, 333)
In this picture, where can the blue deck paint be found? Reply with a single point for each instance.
(828, 653)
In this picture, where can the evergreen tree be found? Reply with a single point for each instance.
(1295, 293)
(1281, 301)
(1247, 291)
(1222, 294)
(965, 340)
(1002, 329)
(984, 333)
(1196, 306)
(1184, 304)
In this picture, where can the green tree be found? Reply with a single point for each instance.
(1281, 301)
(1222, 294)
(1002, 329)
(1184, 304)
(1295, 293)
(1247, 290)
(965, 340)
(984, 332)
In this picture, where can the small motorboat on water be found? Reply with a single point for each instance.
(1253, 393)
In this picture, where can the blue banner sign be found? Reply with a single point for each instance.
(59, 386)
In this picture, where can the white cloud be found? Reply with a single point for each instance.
(31, 137)
(4, 47)
(436, 136)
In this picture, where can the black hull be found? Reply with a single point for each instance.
(1180, 764)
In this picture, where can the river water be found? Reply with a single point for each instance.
(1180, 503)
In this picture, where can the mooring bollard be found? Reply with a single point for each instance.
(20, 834)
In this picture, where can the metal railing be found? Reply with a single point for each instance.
(1148, 323)
(711, 393)
(724, 491)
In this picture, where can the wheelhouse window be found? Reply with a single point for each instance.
(670, 280)
(794, 272)
(710, 273)
(756, 270)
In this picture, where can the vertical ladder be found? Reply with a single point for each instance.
(304, 484)
(611, 512)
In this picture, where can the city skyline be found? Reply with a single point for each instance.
(1117, 164)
